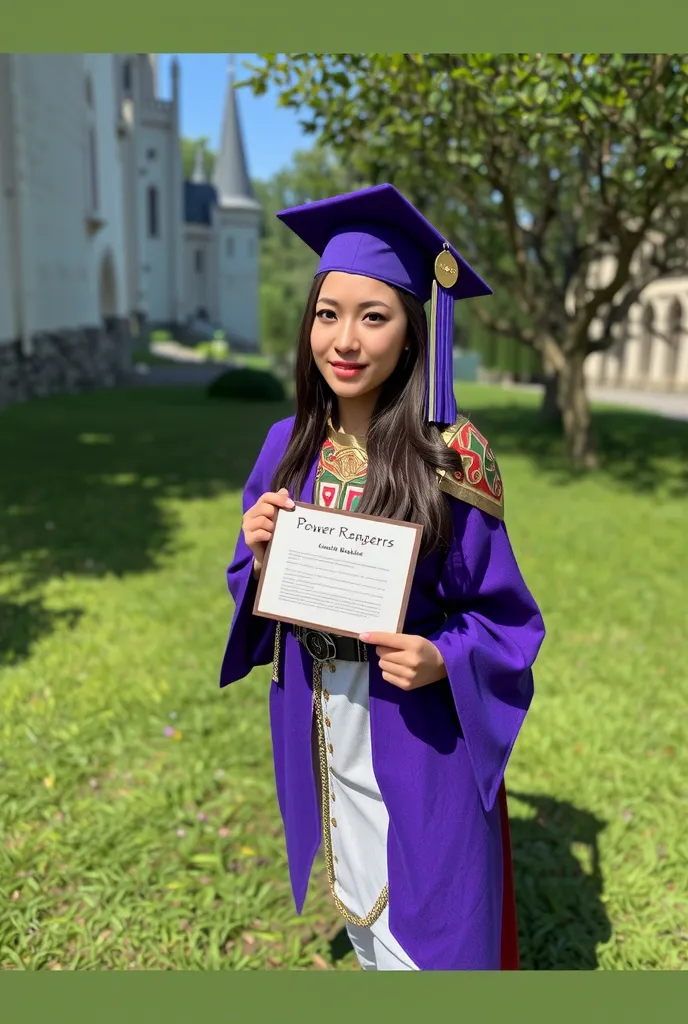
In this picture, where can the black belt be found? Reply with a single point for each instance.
(324, 647)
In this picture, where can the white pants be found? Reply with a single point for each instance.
(359, 820)
(377, 949)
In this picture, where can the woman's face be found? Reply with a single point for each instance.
(358, 334)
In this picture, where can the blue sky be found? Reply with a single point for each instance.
(271, 135)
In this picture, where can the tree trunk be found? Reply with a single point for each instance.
(550, 411)
(550, 408)
(575, 412)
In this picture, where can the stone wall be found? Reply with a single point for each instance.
(65, 362)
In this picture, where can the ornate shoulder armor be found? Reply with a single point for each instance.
(479, 483)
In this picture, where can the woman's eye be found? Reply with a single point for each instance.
(376, 318)
(325, 314)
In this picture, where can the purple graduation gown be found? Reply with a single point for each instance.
(439, 752)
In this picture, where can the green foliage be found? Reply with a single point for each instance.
(161, 335)
(537, 166)
(138, 815)
(216, 351)
(190, 148)
(249, 385)
(287, 266)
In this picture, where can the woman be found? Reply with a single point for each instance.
(391, 751)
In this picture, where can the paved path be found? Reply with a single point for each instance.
(175, 375)
(672, 405)
(187, 367)
(184, 367)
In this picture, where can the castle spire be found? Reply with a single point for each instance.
(231, 178)
(198, 174)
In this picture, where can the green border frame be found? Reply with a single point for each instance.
(345, 25)
(555, 997)
(628, 25)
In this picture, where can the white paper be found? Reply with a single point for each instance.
(343, 573)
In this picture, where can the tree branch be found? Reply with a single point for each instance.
(662, 262)
(628, 244)
(504, 326)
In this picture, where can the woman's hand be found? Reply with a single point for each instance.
(258, 523)
(407, 661)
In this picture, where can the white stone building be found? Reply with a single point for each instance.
(650, 348)
(100, 237)
(651, 352)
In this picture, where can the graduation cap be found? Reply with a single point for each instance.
(377, 233)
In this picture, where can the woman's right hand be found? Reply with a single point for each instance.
(258, 523)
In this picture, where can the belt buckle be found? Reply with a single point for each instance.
(319, 645)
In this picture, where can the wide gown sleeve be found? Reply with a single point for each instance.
(489, 642)
(251, 639)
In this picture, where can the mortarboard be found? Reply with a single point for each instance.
(378, 233)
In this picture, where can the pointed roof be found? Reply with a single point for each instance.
(231, 177)
(198, 173)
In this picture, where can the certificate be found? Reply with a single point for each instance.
(338, 572)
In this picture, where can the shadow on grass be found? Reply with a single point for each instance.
(561, 918)
(22, 622)
(85, 479)
(638, 451)
(340, 945)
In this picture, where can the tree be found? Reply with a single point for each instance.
(560, 164)
(287, 266)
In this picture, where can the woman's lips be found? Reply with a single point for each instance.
(347, 370)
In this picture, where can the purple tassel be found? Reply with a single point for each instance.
(441, 406)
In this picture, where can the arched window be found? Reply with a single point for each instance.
(93, 166)
(646, 340)
(673, 345)
(153, 212)
(92, 147)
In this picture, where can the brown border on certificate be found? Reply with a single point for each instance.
(351, 515)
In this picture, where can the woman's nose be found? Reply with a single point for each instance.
(347, 339)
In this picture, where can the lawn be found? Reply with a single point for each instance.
(138, 819)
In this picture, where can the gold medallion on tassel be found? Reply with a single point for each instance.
(446, 269)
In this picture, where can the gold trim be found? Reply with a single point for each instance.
(341, 440)
(449, 433)
(468, 494)
(383, 898)
(276, 652)
(465, 491)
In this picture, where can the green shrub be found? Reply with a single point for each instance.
(160, 335)
(216, 351)
(247, 385)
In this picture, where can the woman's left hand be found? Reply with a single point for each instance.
(407, 661)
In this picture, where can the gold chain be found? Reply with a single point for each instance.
(276, 653)
(381, 901)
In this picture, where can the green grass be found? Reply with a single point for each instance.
(143, 354)
(123, 847)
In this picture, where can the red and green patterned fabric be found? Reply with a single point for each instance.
(341, 473)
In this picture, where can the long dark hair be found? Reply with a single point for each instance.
(404, 451)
